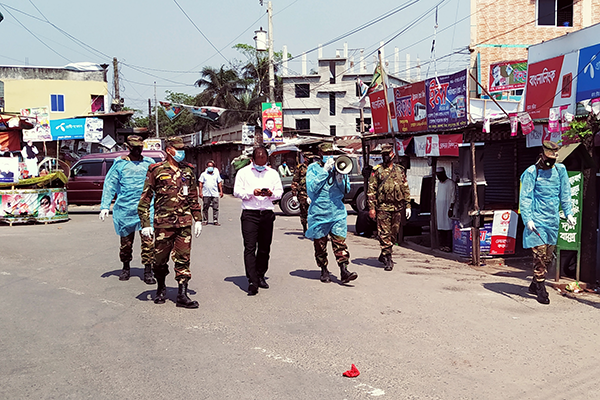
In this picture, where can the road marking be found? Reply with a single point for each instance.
(104, 301)
(71, 291)
(274, 356)
(370, 390)
(4, 273)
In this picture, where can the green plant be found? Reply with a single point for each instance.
(579, 129)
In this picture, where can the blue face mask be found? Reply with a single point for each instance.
(260, 168)
(179, 155)
(210, 170)
(325, 158)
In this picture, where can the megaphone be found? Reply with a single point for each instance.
(343, 165)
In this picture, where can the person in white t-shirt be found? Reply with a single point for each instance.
(210, 186)
(444, 205)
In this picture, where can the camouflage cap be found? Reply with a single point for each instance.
(135, 141)
(327, 146)
(386, 148)
(307, 154)
(176, 142)
(550, 149)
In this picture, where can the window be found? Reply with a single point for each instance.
(57, 103)
(367, 122)
(332, 72)
(303, 125)
(555, 12)
(89, 168)
(302, 90)
(97, 103)
(332, 130)
(332, 103)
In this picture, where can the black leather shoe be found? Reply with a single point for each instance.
(148, 278)
(252, 289)
(182, 298)
(381, 258)
(325, 276)
(346, 275)
(533, 287)
(389, 264)
(262, 283)
(542, 294)
(125, 273)
(161, 290)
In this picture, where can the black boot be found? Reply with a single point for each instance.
(161, 290)
(148, 278)
(533, 287)
(125, 273)
(325, 275)
(304, 228)
(182, 298)
(389, 264)
(381, 258)
(346, 275)
(542, 294)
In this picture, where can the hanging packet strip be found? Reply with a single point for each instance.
(553, 119)
(526, 123)
(514, 123)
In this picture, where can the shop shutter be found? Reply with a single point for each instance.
(499, 168)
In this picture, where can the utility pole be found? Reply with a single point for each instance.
(149, 114)
(155, 109)
(116, 79)
(271, 66)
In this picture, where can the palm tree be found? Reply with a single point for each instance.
(222, 88)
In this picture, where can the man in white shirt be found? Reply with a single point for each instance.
(444, 205)
(257, 185)
(284, 170)
(210, 186)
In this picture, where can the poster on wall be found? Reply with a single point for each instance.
(508, 75)
(24, 205)
(9, 169)
(94, 130)
(411, 107)
(588, 80)
(447, 101)
(551, 83)
(379, 112)
(272, 123)
(41, 130)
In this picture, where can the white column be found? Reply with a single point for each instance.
(363, 67)
(407, 74)
(304, 70)
(285, 71)
(396, 61)
(320, 51)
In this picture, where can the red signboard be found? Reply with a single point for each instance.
(379, 112)
(437, 145)
(411, 107)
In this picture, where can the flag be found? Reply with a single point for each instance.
(208, 112)
(171, 110)
(377, 82)
(363, 88)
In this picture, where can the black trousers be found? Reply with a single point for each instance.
(257, 231)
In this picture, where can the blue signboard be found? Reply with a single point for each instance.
(63, 129)
(588, 81)
(447, 102)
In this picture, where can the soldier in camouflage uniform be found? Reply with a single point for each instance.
(299, 188)
(173, 185)
(388, 196)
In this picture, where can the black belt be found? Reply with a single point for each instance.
(258, 212)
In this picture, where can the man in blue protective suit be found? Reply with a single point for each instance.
(126, 179)
(544, 186)
(327, 213)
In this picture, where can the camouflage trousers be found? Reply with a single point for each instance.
(388, 226)
(177, 243)
(340, 250)
(208, 202)
(542, 257)
(126, 249)
(303, 200)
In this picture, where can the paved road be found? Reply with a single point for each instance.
(430, 329)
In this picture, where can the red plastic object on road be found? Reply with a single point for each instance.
(352, 372)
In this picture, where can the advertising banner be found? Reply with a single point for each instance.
(70, 128)
(569, 238)
(437, 145)
(504, 232)
(540, 134)
(24, 205)
(410, 103)
(272, 123)
(509, 75)
(447, 102)
(94, 130)
(588, 80)
(248, 135)
(550, 84)
(379, 112)
(462, 239)
(152, 144)
(9, 169)
(41, 131)
(401, 146)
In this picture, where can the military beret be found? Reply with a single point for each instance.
(326, 146)
(386, 148)
(175, 141)
(550, 149)
(135, 141)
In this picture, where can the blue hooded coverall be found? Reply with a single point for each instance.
(126, 179)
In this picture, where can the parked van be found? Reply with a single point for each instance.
(86, 180)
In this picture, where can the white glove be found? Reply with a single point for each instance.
(295, 199)
(197, 228)
(571, 220)
(329, 165)
(148, 232)
(103, 214)
(308, 200)
(531, 226)
(408, 213)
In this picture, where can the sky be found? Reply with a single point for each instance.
(170, 41)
